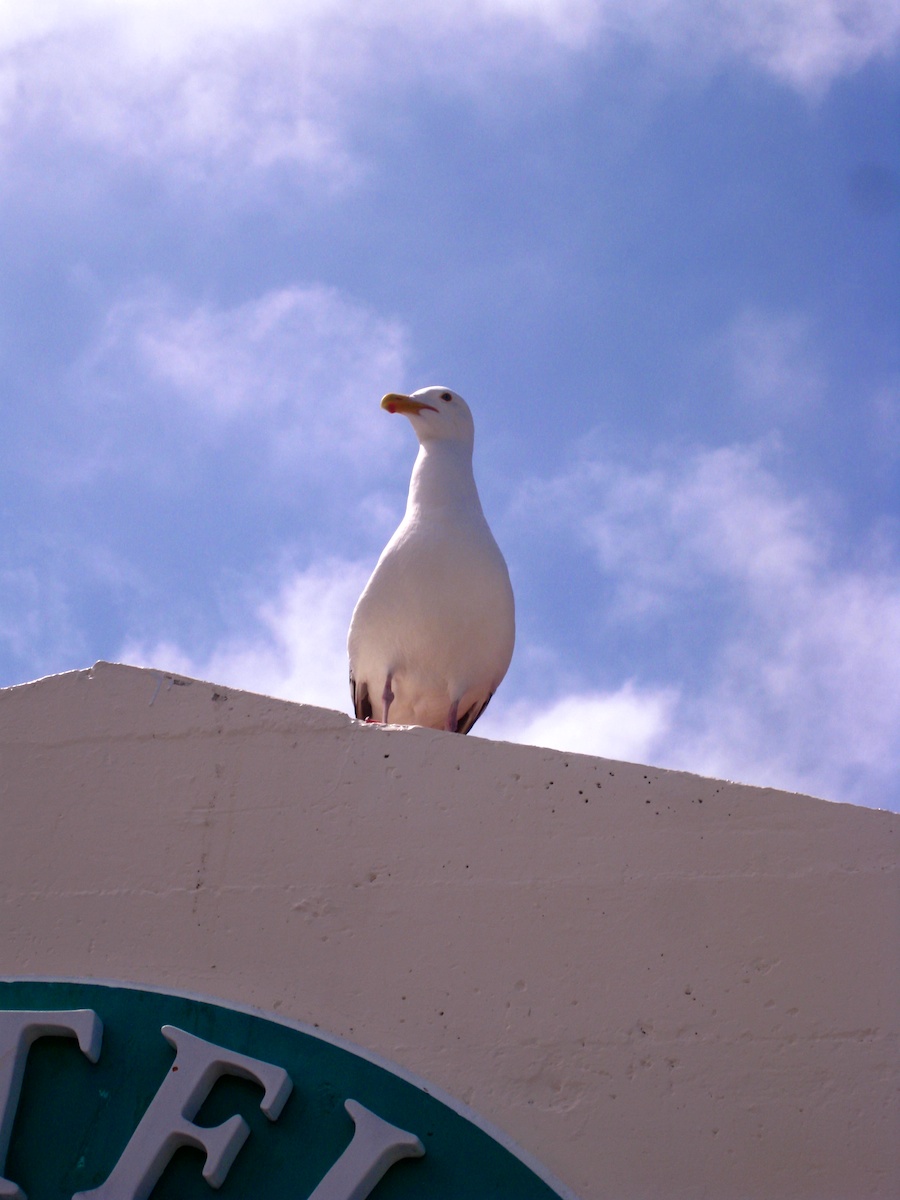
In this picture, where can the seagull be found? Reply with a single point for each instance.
(432, 634)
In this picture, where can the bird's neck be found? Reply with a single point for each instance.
(443, 479)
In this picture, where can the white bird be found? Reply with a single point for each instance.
(432, 634)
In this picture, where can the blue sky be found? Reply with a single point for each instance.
(653, 243)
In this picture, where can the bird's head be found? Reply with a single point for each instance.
(436, 414)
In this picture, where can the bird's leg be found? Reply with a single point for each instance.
(387, 698)
(453, 717)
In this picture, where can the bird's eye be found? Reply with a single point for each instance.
(446, 396)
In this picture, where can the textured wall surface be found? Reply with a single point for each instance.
(659, 985)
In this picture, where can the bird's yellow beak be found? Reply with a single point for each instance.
(395, 403)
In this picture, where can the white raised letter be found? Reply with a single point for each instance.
(18, 1030)
(374, 1149)
(168, 1121)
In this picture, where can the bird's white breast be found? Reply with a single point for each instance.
(438, 615)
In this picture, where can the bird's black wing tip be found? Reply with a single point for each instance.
(471, 715)
(359, 694)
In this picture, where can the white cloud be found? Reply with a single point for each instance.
(806, 44)
(203, 89)
(801, 682)
(811, 43)
(807, 702)
(293, 646)
(666, 529)
(629, 723)
(773, 363)
(662, 533)
(301, 369)
(207, 87)
(884, 422)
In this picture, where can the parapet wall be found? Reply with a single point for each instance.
(659, 985)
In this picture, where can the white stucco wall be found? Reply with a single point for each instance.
(659, 985)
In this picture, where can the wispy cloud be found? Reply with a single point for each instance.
(297, 371)
(773, 363)
(291, 645)
(805, 45)
(884, 422)
(797, 682)
(208, 87)
(810, 44)
(203, 90)
(629, 723)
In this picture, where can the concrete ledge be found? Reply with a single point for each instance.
(659, 985)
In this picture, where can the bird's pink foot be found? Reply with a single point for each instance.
(453, 718)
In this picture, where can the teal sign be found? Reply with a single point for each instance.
(113, 1093)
